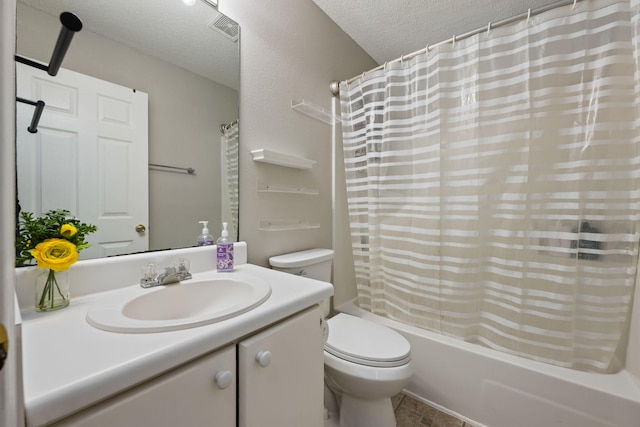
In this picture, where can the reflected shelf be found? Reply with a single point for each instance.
(291, 189)
(285, 225)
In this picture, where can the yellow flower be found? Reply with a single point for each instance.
(55, 254)
(68, 230)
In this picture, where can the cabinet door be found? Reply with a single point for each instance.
(281, 374)
(201, 393)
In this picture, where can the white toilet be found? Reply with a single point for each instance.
(365, 363)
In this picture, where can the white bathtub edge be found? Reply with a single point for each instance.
(548, 395)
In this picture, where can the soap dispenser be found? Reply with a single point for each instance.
(224, 251)
(205, 239)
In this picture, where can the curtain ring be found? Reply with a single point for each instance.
(528, 15)
(453, 41)
(401, 59)
(488, 28)
(428, 48)
(385, 65)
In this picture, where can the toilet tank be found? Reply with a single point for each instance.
(312, 263)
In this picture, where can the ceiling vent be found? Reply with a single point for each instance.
(228, 27)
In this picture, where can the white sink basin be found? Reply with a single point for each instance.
(188, 304)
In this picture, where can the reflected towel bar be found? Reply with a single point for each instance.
(190, 171)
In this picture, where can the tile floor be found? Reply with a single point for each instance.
(413, 413)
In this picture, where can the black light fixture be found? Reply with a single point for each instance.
(70, 25)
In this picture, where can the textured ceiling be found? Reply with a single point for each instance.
(167, 30)
(173, 32)
(387, 29)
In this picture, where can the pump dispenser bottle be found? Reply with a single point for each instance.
(224, 251)
(205, 239)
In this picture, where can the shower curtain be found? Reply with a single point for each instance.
(229, 156)
(493, 185)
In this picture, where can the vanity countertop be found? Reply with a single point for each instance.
(69, 365)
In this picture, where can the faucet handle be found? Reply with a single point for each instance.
(182, 265)
(149, 275)
(182, 268)
(150, 271)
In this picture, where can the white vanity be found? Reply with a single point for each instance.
(260, 368)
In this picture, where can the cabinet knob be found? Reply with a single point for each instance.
(223, 379)
(263, 358)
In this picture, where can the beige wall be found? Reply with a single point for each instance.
(185, 112)
(290, 50)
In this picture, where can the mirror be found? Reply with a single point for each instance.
(181, 63)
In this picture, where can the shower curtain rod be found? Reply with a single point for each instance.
(334, 85)
(224, 127)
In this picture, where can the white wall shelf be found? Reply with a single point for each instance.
(314, 111)
(285, 225)
(292, 189)
(280, 159)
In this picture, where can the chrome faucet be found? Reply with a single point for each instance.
(173, 274)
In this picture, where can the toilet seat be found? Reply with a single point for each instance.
(366, 343)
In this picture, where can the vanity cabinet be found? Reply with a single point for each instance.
(276, 379)
(281, 374)
(186, 396)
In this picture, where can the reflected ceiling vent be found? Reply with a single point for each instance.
(228, 27)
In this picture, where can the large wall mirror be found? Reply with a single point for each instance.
(162, 72)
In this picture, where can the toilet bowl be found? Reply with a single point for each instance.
(365, 363)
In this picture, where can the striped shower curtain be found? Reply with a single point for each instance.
(493, 185)
(229, 156)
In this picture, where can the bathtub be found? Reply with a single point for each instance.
(493, 389)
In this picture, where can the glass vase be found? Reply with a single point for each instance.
(52, 290)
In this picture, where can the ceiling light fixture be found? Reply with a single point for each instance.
(189, 2)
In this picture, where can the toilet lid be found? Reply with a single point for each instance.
(367, 343)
